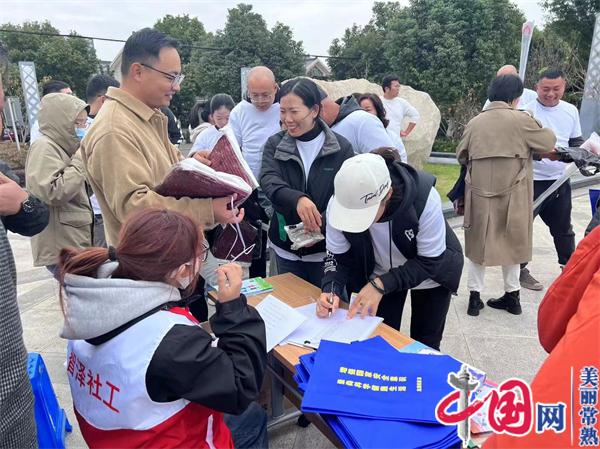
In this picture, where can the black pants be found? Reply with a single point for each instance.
(555, 212)
(429, 309)
(258, 267)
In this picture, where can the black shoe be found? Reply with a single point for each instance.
(475, 304)
(509, 302)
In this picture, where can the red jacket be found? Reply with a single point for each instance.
(569, 327)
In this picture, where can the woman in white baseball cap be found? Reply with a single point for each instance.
(386, 234)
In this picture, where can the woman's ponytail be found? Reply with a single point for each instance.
(83, 262)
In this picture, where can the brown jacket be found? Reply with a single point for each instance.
(54, 173)
(126, 154)
(497, 148)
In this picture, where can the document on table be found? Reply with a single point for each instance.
(335, 328)
(280, 319)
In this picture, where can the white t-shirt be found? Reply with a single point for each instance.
(398, 144)
(396, 110)
(95, 205)
(309, 151)
(431, 239)
(206, 140)
(563, 119)
(252, 129)
(364, 131)
(527, 97)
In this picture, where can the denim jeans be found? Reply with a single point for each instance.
(249, 430)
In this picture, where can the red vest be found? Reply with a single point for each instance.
(111, 402)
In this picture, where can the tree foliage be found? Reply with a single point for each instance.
(573, 21)
(447, 49)
(69, 59)
(189, 31)
(246, 41)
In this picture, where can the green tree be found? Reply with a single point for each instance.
(189, 31)
(360, 49)
(449, 49)
(247, 42)
(573, 20)
(70, 59)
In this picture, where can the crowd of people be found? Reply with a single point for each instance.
(128, 259)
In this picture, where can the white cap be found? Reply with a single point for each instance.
(360, 185)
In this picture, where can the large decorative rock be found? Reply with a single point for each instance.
(419, 143)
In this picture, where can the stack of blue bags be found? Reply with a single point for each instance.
(373, 396)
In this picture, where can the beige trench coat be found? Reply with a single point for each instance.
(497, 148)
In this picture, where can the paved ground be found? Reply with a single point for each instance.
(501, 344)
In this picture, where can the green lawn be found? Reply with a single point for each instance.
(446, 177)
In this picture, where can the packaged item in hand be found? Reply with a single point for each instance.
(302, 238)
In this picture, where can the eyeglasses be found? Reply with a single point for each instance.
(205, 248)
(257, 97)
(176, 80)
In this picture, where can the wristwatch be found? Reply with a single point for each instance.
(27, 206)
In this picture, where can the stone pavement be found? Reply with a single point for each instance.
(501, 344)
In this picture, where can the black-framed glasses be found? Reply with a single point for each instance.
(205, 249)
(176, 80)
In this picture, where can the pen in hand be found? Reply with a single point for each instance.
(330, 301)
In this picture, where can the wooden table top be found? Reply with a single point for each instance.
(297, 292)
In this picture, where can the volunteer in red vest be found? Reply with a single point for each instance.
(142, 372)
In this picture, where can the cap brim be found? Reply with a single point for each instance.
(351, 220)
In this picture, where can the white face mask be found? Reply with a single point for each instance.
(184, 282)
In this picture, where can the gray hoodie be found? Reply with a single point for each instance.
(96, 306)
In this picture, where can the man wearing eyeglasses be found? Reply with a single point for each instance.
(127, 151)
(253, 121)
(256, 118)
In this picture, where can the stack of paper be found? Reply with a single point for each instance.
(337, 327)
(280, 320)
(373, 396)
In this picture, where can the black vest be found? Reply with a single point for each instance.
(404, 231)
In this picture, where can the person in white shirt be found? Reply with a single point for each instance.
(562, 118)
(50, 87)
(256, 118)
(397, 108)
(364, 131)
(385, 235)
(253, 121)
(528, 94)
(220, 107)
(373, 105)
